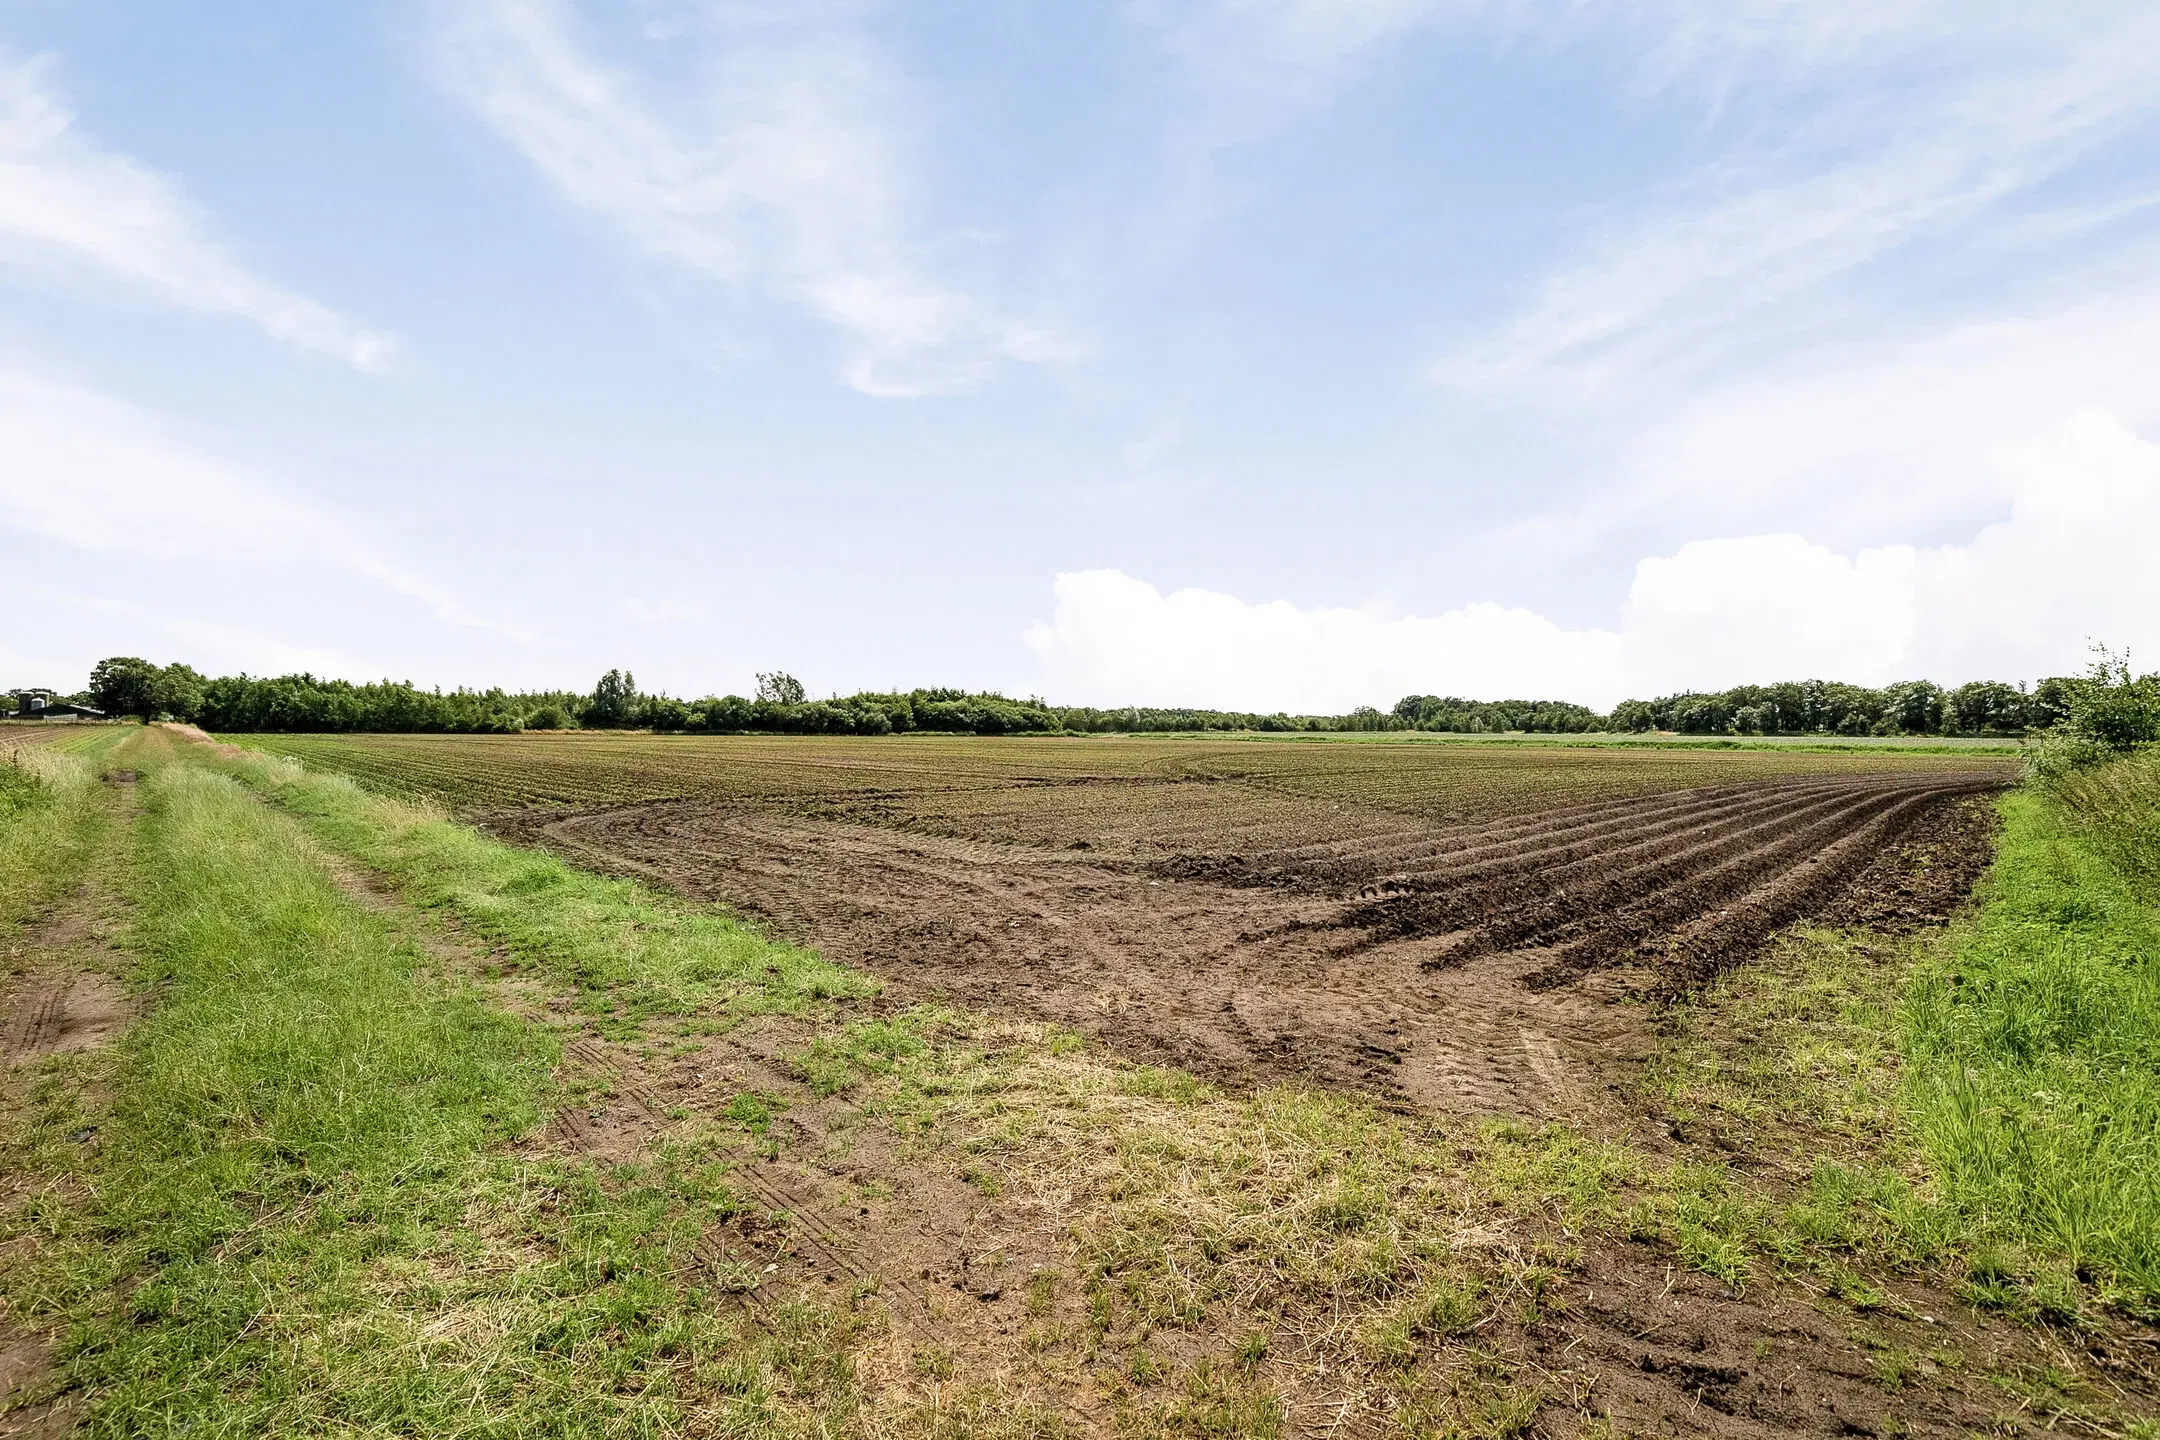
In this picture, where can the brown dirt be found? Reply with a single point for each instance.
(1668, 1351)
(1470, 966)
(1922, 878)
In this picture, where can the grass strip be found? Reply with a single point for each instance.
(629, 951)
(300, 1212)
(53, 816)
(2032, 1043)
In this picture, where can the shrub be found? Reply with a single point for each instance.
(2113, 709)
(2110, 712)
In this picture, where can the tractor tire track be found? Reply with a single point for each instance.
(1411, 965)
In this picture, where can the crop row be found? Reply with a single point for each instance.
(1139, 797)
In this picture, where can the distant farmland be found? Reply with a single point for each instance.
(1437, 923)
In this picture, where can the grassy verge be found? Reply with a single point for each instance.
(2116, 809)
(2033, 1056)
(1985, 1100)
(630, 952)
(52, 817)
(287, 1202)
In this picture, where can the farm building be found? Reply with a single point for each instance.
(42, 704)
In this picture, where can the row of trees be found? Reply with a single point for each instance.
(1825, 707)
(126, 685)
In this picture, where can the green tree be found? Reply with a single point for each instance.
(2113, 708)
(125, 685)
(1913, 707)
(179, 692)
(1986, 707)
(779, 688)
(613, 703)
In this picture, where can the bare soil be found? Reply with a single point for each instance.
(1482, 966)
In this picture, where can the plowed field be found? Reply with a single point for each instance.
(1446, 926)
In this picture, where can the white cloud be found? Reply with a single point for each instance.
(1115, 640)
(786, 175)
(1892, 434)
(65, 202)
(2071, 563)
(98, 476)
(1893, 152)
(1258, 62)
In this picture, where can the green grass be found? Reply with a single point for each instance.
(630, 952)
(1984, 1099)
(2032, 1050)
(301, 1213)
(2116, 808)
(53, 813)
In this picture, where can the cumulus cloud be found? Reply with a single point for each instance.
(1898, 432)
(65, 202)
(2072, 562)
(98, 476)
(1114, 640)
(780, 173)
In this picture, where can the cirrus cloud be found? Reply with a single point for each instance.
(780, 172)
(66, 202)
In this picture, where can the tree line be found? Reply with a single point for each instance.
(1825, 707)
(129, 686)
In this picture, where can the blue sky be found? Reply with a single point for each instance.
(1274, 354)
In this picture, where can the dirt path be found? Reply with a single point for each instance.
(1464, 967)
(64, 994)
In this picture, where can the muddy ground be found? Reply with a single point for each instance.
(1472, 966)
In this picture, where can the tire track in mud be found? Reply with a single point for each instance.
(627, 1113)
(807, 1237)
(1465, 966)
(73, 999)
